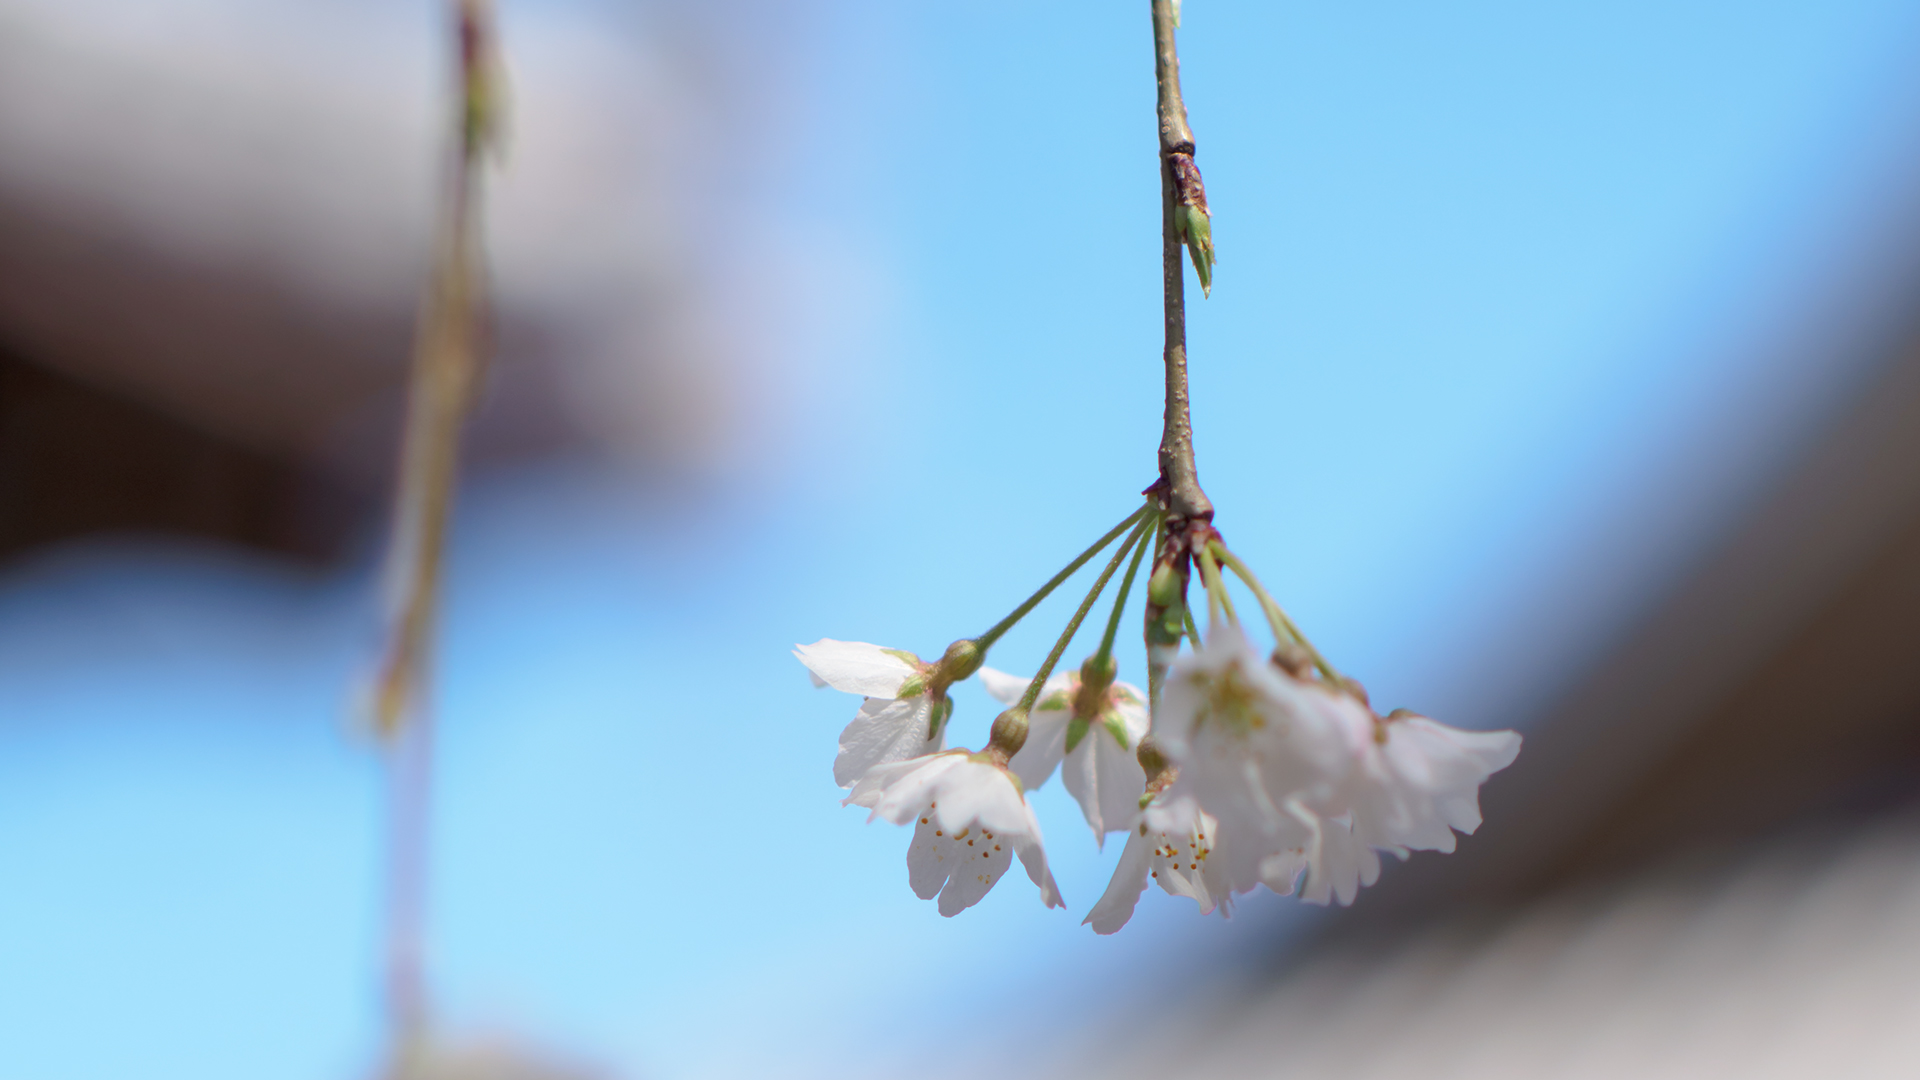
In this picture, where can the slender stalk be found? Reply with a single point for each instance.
(1283, 627)
(986, 640)
(1179, 478)
(1073, 625)
(1166, 605)
(1216, 588)
(1193, 628)
(449, 354)
(1120, 598)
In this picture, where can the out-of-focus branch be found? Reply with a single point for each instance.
(450, 348)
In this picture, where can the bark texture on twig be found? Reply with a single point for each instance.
(1180, 492)
(1187, 508)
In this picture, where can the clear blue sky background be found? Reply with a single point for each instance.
(1516, 302)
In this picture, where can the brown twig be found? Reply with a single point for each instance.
(1179, 185)
(1186, 508)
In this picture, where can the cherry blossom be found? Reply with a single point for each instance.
(1249, 738)
(1415, 781)
(1101, 772)
(970, 818)
(1176, 845)
(905, 711)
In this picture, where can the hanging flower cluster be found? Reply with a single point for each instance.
(1265, 767)
(1237, 768)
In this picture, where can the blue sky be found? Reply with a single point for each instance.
(1515, 305)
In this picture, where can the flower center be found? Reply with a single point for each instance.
(1232, 704)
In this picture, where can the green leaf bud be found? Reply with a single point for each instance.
(1196, 227)
(1163, 587)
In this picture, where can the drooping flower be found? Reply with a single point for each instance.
(906, 708)
(1414, 781)
(970, 818)
(1176, 845)
(1249, 738)
(1337, 863)
(1095, 734)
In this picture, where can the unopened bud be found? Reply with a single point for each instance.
(1196, 228)
(1090, 701)
(1097, 671)
(960, 661)
(1009, 733)
(1360, 692)
(1160, 772)
(1293, 658)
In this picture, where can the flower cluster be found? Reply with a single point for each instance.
(1238, 768)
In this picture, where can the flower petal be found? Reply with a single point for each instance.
(1033, 856)
(979, 859)
(1105, 780)
(884, 731)
(1046, 744)
(1005, 688)
(907, 788)
(976, 792)
(1338, 864)
(1123, 892)
(857, 667)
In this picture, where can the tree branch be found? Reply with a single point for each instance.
(1180, 493)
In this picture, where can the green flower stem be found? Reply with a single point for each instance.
(1283, 627)
(1216, 588)
(1073, 625)
(1120, 598)
(986, 640)
(1193, 629)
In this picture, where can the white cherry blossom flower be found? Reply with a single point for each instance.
(904, 714)
(970, 818)
(1411, 783)
(1415, 781)
(1101, 770)
(1337, 863)
(1176, 845)
(1249, 738)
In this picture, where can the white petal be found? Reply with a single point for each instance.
(1123, 892)
(1106, 780)
(1281, 871)
(857, 667)
(1338, 864)
(908, 786)
(1046, 744)
(980, 858)
(884, 731)
(1033, 856)
(975, 792)
(1005, 688)
(929, 859)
